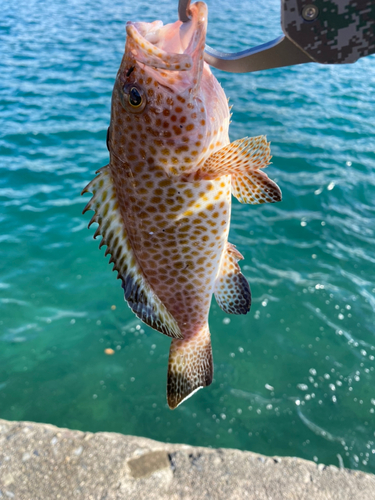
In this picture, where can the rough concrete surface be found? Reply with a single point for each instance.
(43, 462)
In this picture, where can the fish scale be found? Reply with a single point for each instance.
(176, 237)
(163, 203)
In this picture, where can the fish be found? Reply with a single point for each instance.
(163, 203)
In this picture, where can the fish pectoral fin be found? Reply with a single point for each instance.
(242, 159)
(232, 291)
(190, 367)
(138, 293)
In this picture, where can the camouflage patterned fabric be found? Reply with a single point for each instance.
(343, 31)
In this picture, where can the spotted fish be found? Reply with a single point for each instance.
(163, 203)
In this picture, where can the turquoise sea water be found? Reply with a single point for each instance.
(296, 375)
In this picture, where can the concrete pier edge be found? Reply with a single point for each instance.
(43, 462)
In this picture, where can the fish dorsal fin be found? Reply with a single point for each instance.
(138, 293)
(242, 159)
(232, 291)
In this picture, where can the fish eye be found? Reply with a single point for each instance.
(133, 98)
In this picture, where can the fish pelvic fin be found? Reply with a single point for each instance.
(138, 293)
(232, 291)
(243, 159)
(190, 367)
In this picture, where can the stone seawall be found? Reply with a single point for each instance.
(44, 462)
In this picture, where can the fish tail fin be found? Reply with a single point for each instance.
(190, 366)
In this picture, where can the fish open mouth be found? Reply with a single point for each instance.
(175, 47)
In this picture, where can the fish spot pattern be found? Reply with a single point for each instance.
(161, 222)
(163, 203)
(176, 148)
(189, 368)
(138, 293)
(232, 291)
(243, 159)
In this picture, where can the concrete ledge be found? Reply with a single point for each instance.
(43, 462)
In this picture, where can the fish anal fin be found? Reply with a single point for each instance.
(190, 367)
(138, 293)
(242, 159)
(232, 291)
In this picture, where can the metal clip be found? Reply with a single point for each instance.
(302, 25)
(184, 10)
